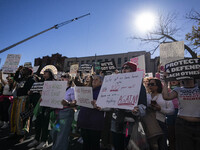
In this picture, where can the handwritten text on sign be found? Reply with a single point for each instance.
(11, 63)
(120, 91)
(53, 93)
(83, 96)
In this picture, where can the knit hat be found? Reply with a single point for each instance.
(132, 65)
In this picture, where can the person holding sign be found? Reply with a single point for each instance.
(24, 83)
(123, 120)
(60, 132)
(6, 99)
(187, 128)
(91, 120)
(42, 119)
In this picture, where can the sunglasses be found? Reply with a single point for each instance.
(126, 67)
(151, 84)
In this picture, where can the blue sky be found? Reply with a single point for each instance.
(106, 31)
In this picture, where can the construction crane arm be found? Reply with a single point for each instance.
(53, 27)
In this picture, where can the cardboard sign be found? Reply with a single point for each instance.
(120, 90)
(37, 87)
(85, 68)
(73, 70)
(53, 93)
(170, 52)
(183, 69)
(83, 96)
(140, 62)
(11, 63)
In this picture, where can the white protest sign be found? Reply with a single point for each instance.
(35, 69)
(83, 96)
(11, 63)
(150, 74)
(171, 52)
(120, 90)
(53, 93)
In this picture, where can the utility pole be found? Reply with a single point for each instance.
(53, 27)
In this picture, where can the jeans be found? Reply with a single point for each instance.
(60, 133)
(187, 135)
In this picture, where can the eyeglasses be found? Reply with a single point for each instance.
(126, 67)
(151, 84)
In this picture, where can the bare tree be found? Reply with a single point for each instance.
(194, 36)
(164, 32)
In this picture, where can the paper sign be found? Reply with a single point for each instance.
(85, 68)
(11, 63)
(150, 74)
(83, 96)
(53, 93)
(120, 90)
(35, 69)
(183, 69)
(73, 70)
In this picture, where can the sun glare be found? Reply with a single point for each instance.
(145, 21)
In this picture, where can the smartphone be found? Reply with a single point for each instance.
(153, 102)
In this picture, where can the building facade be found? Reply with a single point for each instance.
(63, 63)
(56, 59)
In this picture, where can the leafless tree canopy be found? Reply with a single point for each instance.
(165, 31)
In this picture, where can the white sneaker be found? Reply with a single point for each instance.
(33, 143)
(42, 145)
(5, 125)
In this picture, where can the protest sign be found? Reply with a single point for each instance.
(83, 96)
(183, 69)
(140, 62)
(120, 90)
(37, 87)
(85, 68)
(35, 69)
(150, 74)
(11, 63)
(107, 65)
(53, 93)
(170, 52)
(73, 70)
(28, 64)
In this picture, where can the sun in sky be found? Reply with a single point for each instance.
(145, 21)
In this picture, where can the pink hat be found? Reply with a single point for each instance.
(132, 65)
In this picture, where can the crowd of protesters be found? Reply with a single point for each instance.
(168, 113)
